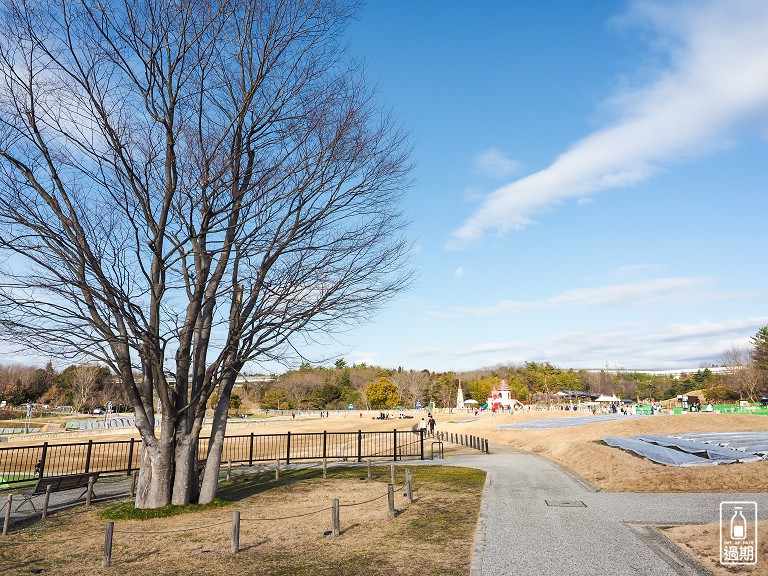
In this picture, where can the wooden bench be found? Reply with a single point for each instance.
(59, 484)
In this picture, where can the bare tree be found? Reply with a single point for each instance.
(742, 376)
(186, 187)
(85, 381)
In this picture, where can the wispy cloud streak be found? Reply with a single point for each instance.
(621, 295)
(715, 82)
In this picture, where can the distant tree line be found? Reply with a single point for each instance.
(372, 387)
(82, 386)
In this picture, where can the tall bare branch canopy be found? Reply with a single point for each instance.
(187, 186)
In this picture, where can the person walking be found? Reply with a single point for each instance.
(431, 426)
(423, 426)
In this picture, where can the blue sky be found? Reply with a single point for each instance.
(590, 181)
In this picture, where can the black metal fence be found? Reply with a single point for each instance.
(25, 463)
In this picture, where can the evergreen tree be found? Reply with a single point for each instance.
(760, 348)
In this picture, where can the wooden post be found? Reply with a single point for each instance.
(325, 468)
(369, 469)
(277, 469)
(229, 470)
(336, 517)
(45, 502)
(89, 492)
(391, 499)
(235, 532)
(134, 478)
(107, 558)
(409, 485)
(7, 520)
(392, 474)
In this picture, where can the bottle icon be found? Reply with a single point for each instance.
(738, 525)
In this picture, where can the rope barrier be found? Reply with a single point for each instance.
(172, 531)
(36, 542)
(285, 517)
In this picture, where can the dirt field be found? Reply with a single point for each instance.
(703, 543)
(574, 448)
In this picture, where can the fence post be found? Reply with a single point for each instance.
(421, 443)
(7, 520)
(394, 445)
(250, 452)
(336, 517)
(229, 470)
(391, 499)
(235, 531)
(325, 444)
(369, 468)
(359, 445)
(88, 457)
(106, 559)
(130, 457)
(45, 502)
(288, 450)
(325, 468)
(41, 464)
(277, 469)
(487, 451)
(89, 492)
(392, 474)
(409, 485)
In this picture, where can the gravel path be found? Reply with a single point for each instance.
(538, 519)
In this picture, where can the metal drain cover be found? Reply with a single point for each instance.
(566, 503)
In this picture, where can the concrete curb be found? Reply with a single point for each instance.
(476, 567)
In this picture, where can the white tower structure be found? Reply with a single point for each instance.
(460, 397)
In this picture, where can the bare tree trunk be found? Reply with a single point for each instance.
(218, 430)
(186, 480)
(153, 489)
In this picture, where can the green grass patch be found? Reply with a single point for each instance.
(127, 511)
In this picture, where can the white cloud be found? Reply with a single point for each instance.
(640, 347)
(714, 83)
(618, 295)
(493, 163)
(458, 273)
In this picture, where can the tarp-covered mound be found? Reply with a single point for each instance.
(696, 449)
(565, 422)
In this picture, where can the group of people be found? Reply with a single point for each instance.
(428, 425)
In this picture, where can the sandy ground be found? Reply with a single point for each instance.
(703, 543)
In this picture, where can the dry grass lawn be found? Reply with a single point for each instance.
(282, 530)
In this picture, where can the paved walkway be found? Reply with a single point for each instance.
(538, 519)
